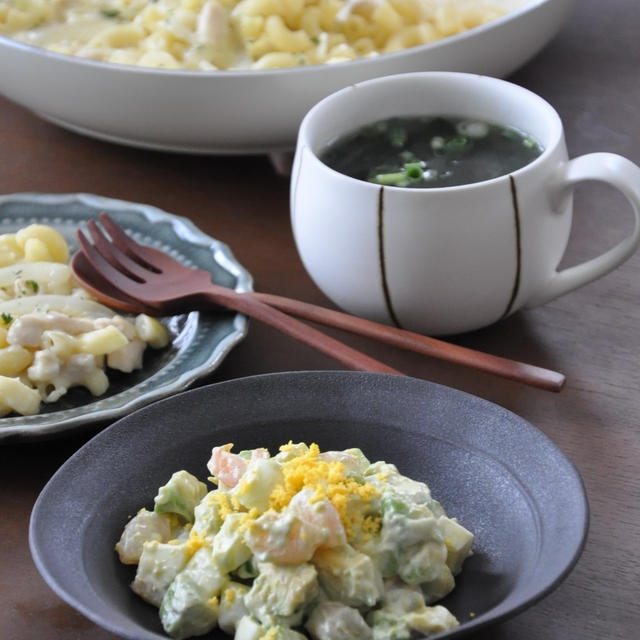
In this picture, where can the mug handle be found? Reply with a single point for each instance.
(619, 172)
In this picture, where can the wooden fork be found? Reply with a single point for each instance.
(163, 286)
(137, 278)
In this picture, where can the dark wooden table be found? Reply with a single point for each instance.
(591, 74)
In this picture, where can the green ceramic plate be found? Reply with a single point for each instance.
(200, 341)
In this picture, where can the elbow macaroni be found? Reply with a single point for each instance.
(52, 335)
(239, 34)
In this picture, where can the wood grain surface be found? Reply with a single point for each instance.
(591, 74)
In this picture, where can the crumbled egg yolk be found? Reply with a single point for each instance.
(224, 503)
(328, 480)
(229, 596)
(194, 542)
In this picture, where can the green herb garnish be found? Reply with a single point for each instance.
(457, 144)
(510, 133)
(411, 172)
(394, 179)
(6, 318)
(110, 13)
(34, 285)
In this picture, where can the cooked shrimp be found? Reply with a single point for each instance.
(229, 467)
(143, 527)
(282, 538)
(292, 536)
(321, 515)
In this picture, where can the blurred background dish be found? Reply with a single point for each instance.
(498, 475)
(251, 111)
(200, 341)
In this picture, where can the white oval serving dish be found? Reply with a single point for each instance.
(243, 111)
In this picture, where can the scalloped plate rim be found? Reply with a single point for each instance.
(58, 422)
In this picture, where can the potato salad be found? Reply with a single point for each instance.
(301, 544)
(53, 334)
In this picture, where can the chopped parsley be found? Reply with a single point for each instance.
(6, 318)
(110, 13)
(33, 285)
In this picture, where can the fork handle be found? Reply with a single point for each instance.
(255, 308)
(511, 369)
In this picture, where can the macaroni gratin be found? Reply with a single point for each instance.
(53, 336)
(238, 34)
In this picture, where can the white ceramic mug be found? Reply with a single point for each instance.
(452, 259)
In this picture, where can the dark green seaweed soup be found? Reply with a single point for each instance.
(422, 152)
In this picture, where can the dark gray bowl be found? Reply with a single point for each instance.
(500, 476)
